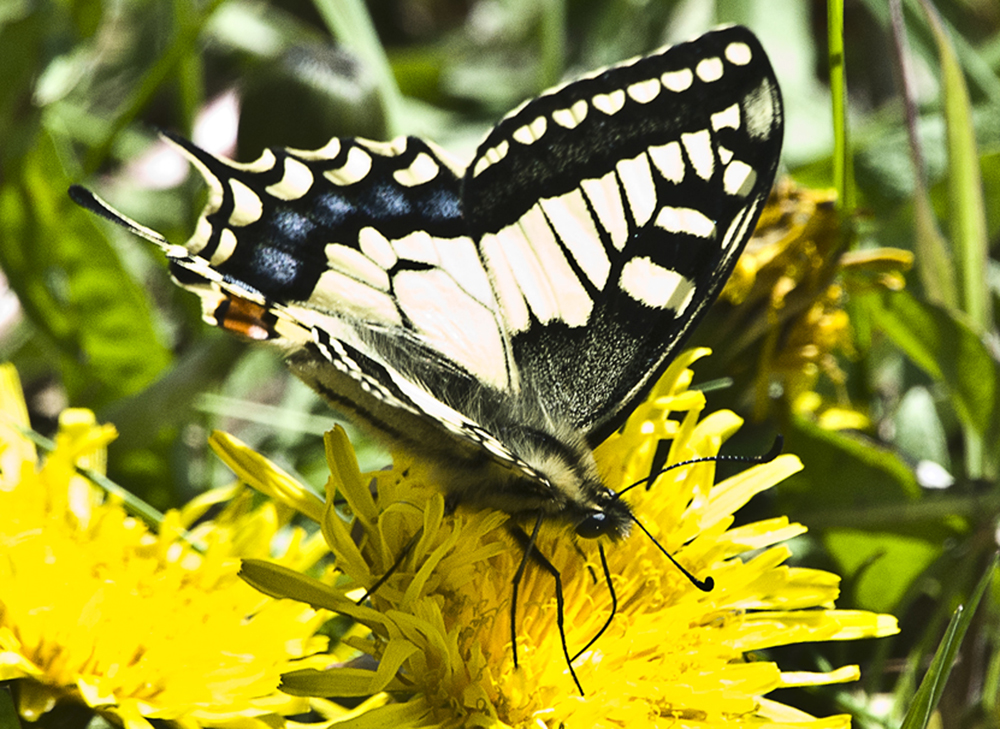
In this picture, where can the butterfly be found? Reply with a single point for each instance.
(499, 320)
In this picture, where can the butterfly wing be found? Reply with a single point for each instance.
(503, 311)
(353, 260)
(610, 212)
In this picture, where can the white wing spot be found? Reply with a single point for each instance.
(294, 183)
(739, 178)
(327, 152)
(571, 116)
(645, 91)
(637, 179)
(574, 225)
(247, 207)
(357, 265)
(491, 157)
(532, 132)
(377, 247)
(738, 54)
(499, 152)
(417, 246)
(685, 220)
(738, 228)
(610, 103)
(605, 196)
(709, 69)
(422, 169)
(355, 169)
(203, 230)
(728, 117)
(668, 160)
(698, 146)
(392, 148)
(227, 244)
(725, 155)
(264, 163)
(653, 285)
(677, 81)
(758, 107)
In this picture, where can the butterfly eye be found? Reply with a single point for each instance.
(595, 525)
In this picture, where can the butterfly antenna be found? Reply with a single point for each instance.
(89, 201)
(705, 585)
(774, 452)
(531, 553)
(708, 583)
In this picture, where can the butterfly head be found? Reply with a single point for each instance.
(612, 518)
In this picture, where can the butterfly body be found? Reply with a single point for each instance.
(501, 320)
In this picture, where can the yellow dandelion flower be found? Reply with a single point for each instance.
(439, 627)
(791, 286)
(98, 610)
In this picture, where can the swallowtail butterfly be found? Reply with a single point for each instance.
(500, 319)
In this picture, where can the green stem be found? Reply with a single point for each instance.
(843, 174)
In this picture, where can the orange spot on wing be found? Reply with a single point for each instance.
(245, 318)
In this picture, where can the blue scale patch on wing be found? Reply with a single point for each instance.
(279, 249)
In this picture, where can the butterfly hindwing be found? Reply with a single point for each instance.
(611, 211)
(350, 259)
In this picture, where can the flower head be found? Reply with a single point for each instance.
(789, 290)
(439, 631)
(95, 608)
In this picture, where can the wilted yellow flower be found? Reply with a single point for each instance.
(95, 608)
(439, 628)
(788, 321)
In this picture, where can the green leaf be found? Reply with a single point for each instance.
(926, 699)
(967, 211)
(884, 565)
(8, 713)
(947, 350)
(843, 475)
(72, 285)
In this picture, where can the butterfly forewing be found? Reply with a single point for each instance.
(610, 212)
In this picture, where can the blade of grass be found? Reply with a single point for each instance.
(132, 503)
(967, 210)
(932, 686)
(975, 60)
(934, 264)
(351, 24)
(843, 173)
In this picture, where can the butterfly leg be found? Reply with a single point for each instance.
(531, 553)
(614, 604)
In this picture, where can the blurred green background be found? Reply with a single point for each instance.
(904, 504)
